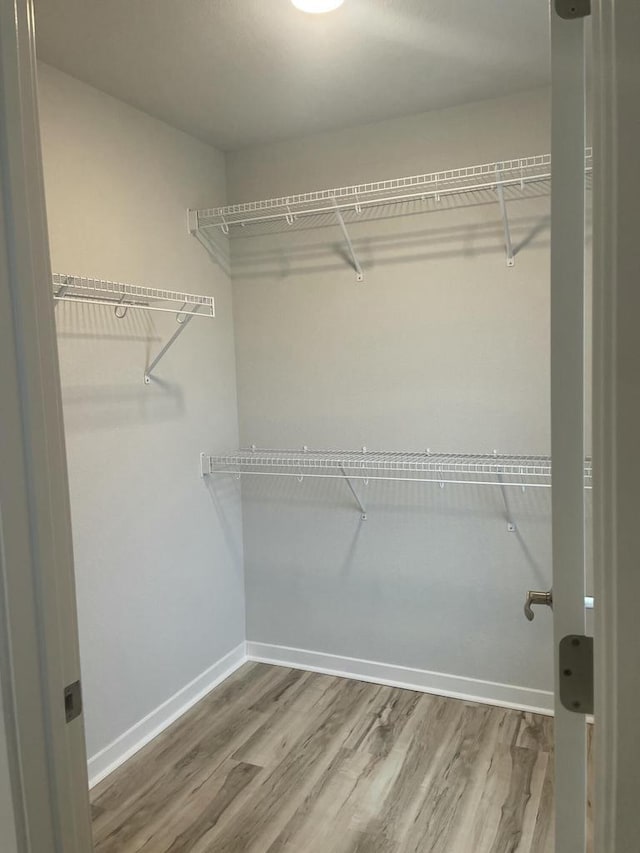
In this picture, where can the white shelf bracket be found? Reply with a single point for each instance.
(207, 242)
(205, 465)
(347, 238)
(511, 525)
(183, 319)
(363, 511)
(505, 221)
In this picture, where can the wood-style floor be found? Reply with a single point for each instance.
(283, 761)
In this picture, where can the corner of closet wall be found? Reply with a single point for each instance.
(158, 552)
(441, 346)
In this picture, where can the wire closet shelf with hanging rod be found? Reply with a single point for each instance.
(121, 297)
(500, 182)
(455, 468)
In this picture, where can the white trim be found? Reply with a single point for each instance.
(39, 653)
(104, 762)
(616, 421)
(605, 414)
(127, 744)
(439, 683)
(568, 105)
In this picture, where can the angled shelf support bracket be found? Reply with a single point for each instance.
(206, 241)
(508, 245)
(363, 511)
(122, 297)
(182, 319)
(511, 525)
(347, 239)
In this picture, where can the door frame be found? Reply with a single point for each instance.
(616, 421)
(39, 653)
(38, 631)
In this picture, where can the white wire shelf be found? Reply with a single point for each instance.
(358, 197)
(442, 468)
(121, 297)
(500, 181)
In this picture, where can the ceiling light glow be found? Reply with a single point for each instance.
(317, 6)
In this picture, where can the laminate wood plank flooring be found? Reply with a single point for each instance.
(278, 760)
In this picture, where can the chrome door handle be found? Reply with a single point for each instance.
(537, 597)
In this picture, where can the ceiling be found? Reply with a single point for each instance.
(237, 73)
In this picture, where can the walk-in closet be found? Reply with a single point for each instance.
(301, 255)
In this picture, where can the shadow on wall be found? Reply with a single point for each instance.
(95, 322)
(103, 407)
(102, 362)
(468, 241)
(225, 494)
(382, 238)
(400, 505)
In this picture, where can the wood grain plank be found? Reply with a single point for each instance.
(431, 744)
(253, 830)
(506, 797)
(244, 687)
(286, 761)
(448, 795)
(543, 840)
(203, 809)
(536, 732)
(284, 727)
(352, 791)
(134, 821)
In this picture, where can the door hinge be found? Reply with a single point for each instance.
(570, 9)
(576, 673)
(72, 701)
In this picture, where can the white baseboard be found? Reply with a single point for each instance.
(123, 747)
(442, 684)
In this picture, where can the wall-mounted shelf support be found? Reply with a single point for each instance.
(505, 220)
(347, 238)
(511, 525)
(363, 511)
(207, 241)
(121, 297)
(183, 321)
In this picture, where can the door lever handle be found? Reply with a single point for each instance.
(535, 597)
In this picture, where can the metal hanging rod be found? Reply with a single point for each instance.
(442, 468)
(121, 297)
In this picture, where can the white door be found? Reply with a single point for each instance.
(40, 722)
(567, 403)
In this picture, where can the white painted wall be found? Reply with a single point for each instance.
(158, 560)
(442, 346)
